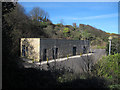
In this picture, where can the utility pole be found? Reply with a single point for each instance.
(110, 39)
(55, 55)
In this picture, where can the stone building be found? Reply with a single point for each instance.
(43, 48)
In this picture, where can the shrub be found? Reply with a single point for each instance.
(108, 68)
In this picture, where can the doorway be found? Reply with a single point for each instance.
(56, 53)
(53, 53)
(74, 51)
(45, 55)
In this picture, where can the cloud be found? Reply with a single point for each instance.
(96, 17)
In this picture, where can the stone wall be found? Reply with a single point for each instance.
(64, 47)
(32, 48)
(43, 48)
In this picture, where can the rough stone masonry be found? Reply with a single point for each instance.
(41, 49)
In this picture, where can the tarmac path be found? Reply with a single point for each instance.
(78, 63)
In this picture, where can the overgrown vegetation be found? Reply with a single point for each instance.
(16, 24)
(109, 68)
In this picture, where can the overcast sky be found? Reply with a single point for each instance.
(102, 15)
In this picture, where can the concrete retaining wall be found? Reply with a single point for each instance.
(64, 47)
(43, 48)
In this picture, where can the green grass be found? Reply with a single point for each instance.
(98, 47)
(101, 47)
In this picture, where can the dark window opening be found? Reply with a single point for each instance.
(74, 51)
(45, 55)
(27, 51)
(84, 50)
(23, 50)
(55, 53)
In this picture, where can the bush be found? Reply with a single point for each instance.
(108, 68)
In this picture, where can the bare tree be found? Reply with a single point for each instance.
(87, 60)
(38, 14)
(74, 25)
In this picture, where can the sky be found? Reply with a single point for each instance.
(101, 15)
